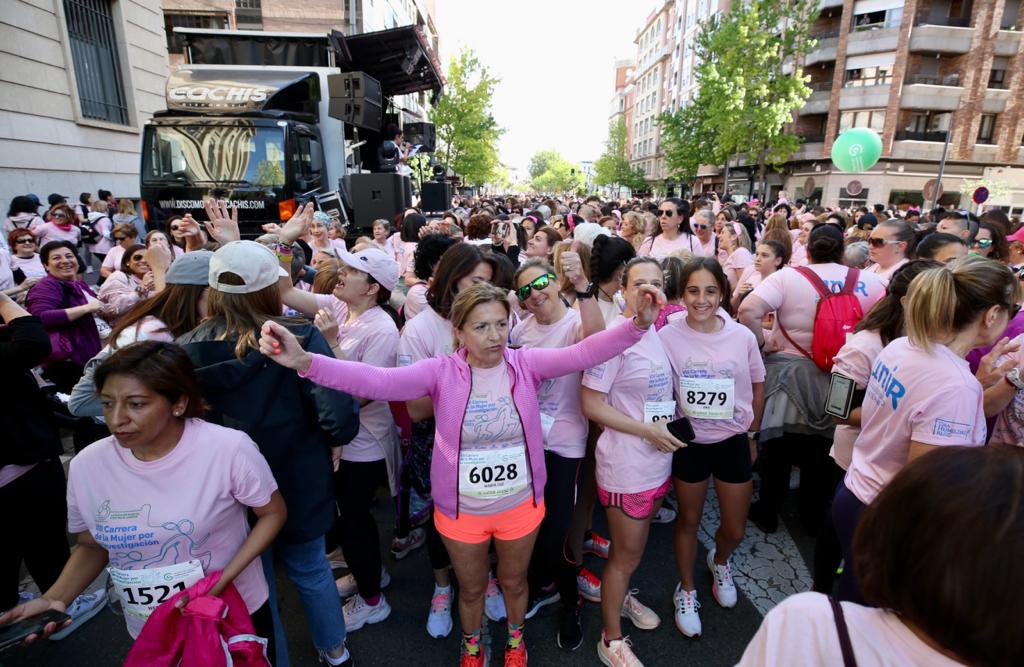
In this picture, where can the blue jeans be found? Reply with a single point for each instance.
(307, 567)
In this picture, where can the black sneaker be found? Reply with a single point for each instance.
(541, 598)
(570, 631)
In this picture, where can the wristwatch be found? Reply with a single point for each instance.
(1014, 378)
(586, 294)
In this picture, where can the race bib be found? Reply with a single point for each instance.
(546, 422)
(142, 591)
(708, 398)
(490, 474)
(659, 411)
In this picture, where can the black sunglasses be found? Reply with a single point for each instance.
(26, 239)
(662, 213)
(138, 258)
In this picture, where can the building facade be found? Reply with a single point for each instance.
(80, 78)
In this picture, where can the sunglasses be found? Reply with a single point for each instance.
(663, 213)
(27, 240)
(120, 238)
(700, 226)
(983, 243)
(175, 228)
(60, 215)
(538, 283)
(138, 258)
(880, 243)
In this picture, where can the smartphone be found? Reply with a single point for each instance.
(681, 430)
(840, 396)
(15, 633)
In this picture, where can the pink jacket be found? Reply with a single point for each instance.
(121, 290)
(448, 382)
(209, 632)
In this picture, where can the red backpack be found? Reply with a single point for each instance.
(836, 316)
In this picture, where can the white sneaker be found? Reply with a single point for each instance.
(439, 622)
(494, 602)
(642, 616)
(336, 559)
(618, 653)
(723, 589)
(664, 515)
(358, 613)
(84, 607)
(347, 586)
(400, 548)
(687, 618)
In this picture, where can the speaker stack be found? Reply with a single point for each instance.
(421, 133)
(378, 196)
(355, 98)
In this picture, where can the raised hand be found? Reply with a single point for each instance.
(989, 373)
(158, 257)
(281, 346)
(572, 267)
(327, 323)
(272, 228)
(649, 302)
(297, 226)
(222, 224)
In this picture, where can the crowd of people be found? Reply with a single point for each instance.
(501, 371)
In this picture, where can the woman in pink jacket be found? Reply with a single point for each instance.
(487, 474)
(131, 283)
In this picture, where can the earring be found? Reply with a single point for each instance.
(177, 413)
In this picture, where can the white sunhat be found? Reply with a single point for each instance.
(255, 264)
(374, 261)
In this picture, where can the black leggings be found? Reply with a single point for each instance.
(355, 487)
(552, 559)
(817, 476)
(36, 518)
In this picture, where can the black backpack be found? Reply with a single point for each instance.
(89, 232)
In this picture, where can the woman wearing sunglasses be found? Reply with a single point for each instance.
(124, 236)
(890, 244)
(131, 283)
(488, 471)
(25, 254)
(673, 231)
(60, 226)
(552, 325)
(990, 242)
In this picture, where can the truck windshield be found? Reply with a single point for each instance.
(239, 154)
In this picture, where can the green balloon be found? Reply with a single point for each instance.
(857, 149)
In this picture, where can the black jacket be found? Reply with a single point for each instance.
(29, 435)
(294, 421)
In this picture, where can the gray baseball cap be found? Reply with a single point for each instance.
(192, 268)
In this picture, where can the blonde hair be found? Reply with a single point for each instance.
(471, 297)
(681, 253)
(125, 228)
(242, 316)
(739, 232)
(635, 221)
(776, 221)
(125, 207)
(99, 206)
(945, 300)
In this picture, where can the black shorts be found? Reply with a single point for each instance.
(728, 461)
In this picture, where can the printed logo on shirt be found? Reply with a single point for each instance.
(597, 372)
(130, 537)
(836, 286)
(659, 384)
(885, 385)
(945, 428)
(405, 360)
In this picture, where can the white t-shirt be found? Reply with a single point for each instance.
(640, 375)
(558, 398)
(795, 301)
(801, 632)
(854, 360)
(415, 301)
(928, 397)
(886, 274)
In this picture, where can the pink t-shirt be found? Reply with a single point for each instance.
(801, 632)
(427, 335)
(48, 231)
(928, 397)
(404, 253)
(660, 247)
(331, 248)
(799, 255)
(750, 275)
(701, 249)
(104, 226)
(886, 274)
(854, 360)
(739, 260)
(643, 373)
(492, 423)
(795, 300)
(558, 398)
(189, 505)
(728, 354)
(415, 301)
(113, 259)
(32, 266)
(372, 339)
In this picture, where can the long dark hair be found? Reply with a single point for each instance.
(711, 265)
(175, 306)
(682, 208)
(609, 254)
(886, 316)
(456, 263)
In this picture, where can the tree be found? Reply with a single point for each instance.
(750, 81)
(542, 161)
(553, 173)
(613, 167)
(467, 134)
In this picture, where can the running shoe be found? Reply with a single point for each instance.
(597, 545)
(665, 515)
(344, 660)
(687, 618)
(589, 585)
(84, 607)
(359, 613)
(541, 598)
(516, 657)
(336, 559)
(642, 616)
(570, 630)
(439, 622)
(618, 653)
(403, 546)
(494, 602)
(723, 589)
(347, 585)
(468, 660)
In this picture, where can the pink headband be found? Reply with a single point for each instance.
(570, 221)
(736, 227)
(530, 217)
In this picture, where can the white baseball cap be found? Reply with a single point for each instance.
(375, 262)
(255, 264)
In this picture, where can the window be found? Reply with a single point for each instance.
(1010, 12)
(986, 129)
(868, 76)
(172, 21)
(926, 126)
(96, 61)
(870, 118)
(891, 18)
(997, 78)
(846, 200)
(249, 14)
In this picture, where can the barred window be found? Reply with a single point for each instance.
(97, 63)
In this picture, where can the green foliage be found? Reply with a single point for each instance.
(467, 134)
(269, 174)
(745, 98)
(541, 162)
(554, 174)
(613, 168)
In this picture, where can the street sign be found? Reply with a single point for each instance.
(980, 195)
(929, 193)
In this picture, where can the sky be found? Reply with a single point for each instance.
(556, 61)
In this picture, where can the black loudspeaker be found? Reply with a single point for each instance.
(436, 197)
(378, 196)
(421, 133)
(355, 98)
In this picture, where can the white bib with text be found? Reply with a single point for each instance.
(490, 474)
(142, 591)
(659, 411)
(708, 398)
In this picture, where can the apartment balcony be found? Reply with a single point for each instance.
(1007, 43)
(931, 92)
(872, 41)
(985, 153)
(918, 146)
(709, 170)
(995, 100)
(813, 148)
(825, 50)
(820, 98)
(929, 37)
(864, 97)
(937, 136)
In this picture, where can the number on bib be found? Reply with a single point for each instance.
(493, 473)
(659, 411)
(708, 398)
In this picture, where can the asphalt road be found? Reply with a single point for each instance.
(767, 568)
